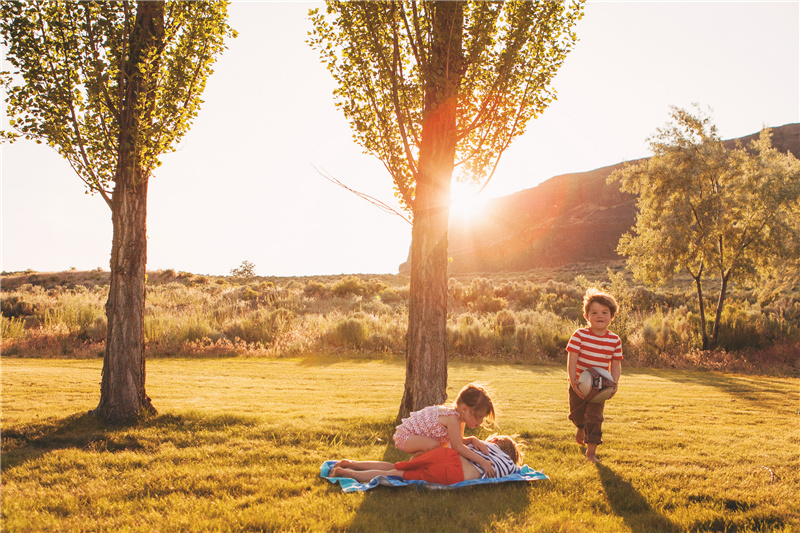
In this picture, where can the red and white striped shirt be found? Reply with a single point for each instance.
(593, 350)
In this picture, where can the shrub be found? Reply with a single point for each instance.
(260, 327)
(350, 332)
(97, 331)
(11, 328)
(525, 296)
(316, 289)
(393, 295)
(15, 307)
(505, 323)
(488, 304)
(195, 328)
(352, 285)
(544, 335)
(469, 336)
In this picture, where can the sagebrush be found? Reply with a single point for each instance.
(524, 317)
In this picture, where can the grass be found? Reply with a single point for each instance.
(238, 442)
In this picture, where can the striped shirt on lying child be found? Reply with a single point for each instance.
(502, 463)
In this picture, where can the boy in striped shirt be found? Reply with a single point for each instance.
(594, 346)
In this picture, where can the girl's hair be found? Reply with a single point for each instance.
(508, 446)
(476, 398)
(603, 298)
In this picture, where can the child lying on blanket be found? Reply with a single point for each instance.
(441, 465)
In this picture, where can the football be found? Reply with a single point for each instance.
(596, 380)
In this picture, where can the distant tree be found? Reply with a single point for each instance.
(112, 86)
(428, 88)
(245, 270)
(711, 211)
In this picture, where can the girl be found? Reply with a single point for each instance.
(440, 425)
(440, 465)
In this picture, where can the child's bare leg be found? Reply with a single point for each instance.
(591, 449)
(364, 465)
(580, 436)
(363, 476)
(419, 444)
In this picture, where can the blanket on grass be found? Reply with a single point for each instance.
(351, 485)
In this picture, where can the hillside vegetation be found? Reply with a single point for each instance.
(522, 317)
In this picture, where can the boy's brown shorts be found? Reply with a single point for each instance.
(587, 415)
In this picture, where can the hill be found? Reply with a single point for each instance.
(572, 218)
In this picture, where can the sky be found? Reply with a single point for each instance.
(244, 184)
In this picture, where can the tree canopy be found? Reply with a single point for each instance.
(710, 210)
(69, 82)
(380, 55)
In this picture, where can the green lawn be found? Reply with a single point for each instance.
(238, 443)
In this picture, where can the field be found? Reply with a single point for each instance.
(238, 442)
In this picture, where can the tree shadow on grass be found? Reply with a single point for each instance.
(29, 442)
(628, 503)
(458, 510)
(84, 431)
(754, 389)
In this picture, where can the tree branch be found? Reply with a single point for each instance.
(386, 208)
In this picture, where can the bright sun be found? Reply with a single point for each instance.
(465, 203)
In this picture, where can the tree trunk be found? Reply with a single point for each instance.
(720, 303)
(426, 348)
(701, 303)
(122, 390)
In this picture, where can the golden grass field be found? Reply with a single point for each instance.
(238, 443)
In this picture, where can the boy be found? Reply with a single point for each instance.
(594, 346)
(441, 465)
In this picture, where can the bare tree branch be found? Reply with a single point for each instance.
(383, 206)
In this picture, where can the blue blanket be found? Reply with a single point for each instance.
(351, 485)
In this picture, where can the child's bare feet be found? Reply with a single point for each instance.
(580, 436)
(335, 472)
(590, 453)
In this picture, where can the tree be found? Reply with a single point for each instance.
(710, 210)
(245, 270)
(430, 88)
(112, 86)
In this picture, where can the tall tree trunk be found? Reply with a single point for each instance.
(720, 303)
(122, 390)
(426, 348)
(701, 303)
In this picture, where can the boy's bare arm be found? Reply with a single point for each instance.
(616, 370)
(572, 369)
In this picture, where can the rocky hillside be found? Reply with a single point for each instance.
(572, 218)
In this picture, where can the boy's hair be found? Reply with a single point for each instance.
(476, 398)
(603, 298)
(508, 446)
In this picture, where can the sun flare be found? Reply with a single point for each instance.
(465, 202)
